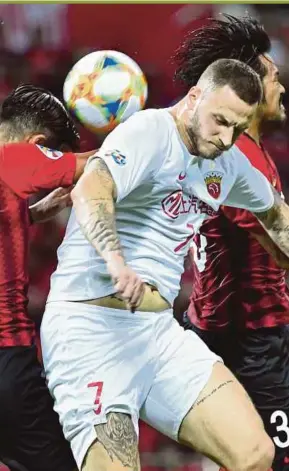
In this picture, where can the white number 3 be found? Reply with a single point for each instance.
(283, 427)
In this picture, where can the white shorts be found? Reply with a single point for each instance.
(100, 360)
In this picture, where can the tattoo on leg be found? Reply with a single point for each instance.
(119, 438)
(200, 401)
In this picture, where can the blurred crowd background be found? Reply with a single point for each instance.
(40, 42)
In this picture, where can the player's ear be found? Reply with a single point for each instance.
(39, 139)
(193, 95)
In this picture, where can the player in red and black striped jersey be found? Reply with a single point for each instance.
(235, 274)
(30, 119)
(239, 304)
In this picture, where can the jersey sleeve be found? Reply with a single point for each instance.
(28, 168)
(251, 190)
(255, 155)
(134, 151)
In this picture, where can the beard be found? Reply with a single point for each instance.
(194, 134)
(201, 147)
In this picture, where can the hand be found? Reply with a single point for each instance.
(127, 283)
(57, 200)
(51, 204)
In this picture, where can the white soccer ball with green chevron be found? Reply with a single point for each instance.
(104, 88)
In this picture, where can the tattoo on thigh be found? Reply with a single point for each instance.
(119, 438)
(203, 399)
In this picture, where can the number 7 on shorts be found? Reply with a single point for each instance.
(98, 392)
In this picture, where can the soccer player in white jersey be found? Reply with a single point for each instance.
(111, 347)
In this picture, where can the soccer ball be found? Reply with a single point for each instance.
(104, 88)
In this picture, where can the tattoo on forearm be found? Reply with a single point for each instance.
(99, 225)
(96, 213)
(203, 399)
(119, 438)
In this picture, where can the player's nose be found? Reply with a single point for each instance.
(226, 138)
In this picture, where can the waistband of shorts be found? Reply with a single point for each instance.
(83, 307)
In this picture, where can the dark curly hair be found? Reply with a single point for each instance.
(36, 110)
(231, 38)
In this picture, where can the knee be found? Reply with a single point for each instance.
(258, 457)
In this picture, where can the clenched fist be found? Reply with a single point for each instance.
(127, 282)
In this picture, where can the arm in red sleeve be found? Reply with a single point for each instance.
(28, 168)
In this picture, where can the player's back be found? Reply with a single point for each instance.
(15, 327)
(236, 280)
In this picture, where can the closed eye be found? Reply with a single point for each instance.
(221, 122)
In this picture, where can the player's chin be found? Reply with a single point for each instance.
(208, 150)
(211, 154)
(282, 115)
(279, 117)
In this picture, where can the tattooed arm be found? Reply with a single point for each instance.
(276, 223)
(93, 198)
(94, 202)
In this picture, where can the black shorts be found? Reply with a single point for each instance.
(30, 432)
(260, 360)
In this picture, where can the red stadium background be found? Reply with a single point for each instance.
(39, 43)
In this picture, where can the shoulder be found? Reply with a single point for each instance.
(155, 121)
(241, 158)
(149, 129)
(253, 152)
(248, 147)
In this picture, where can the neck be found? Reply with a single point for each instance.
(254, 130)
(178, 112)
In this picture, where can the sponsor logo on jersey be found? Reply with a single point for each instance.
(117, 156)
(177, 203)
(50, 153)
(213, 181)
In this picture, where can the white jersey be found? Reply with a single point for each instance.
(158, 208)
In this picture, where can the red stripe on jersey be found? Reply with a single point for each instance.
(238, 280)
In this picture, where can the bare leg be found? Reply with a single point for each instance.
(224, 425)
